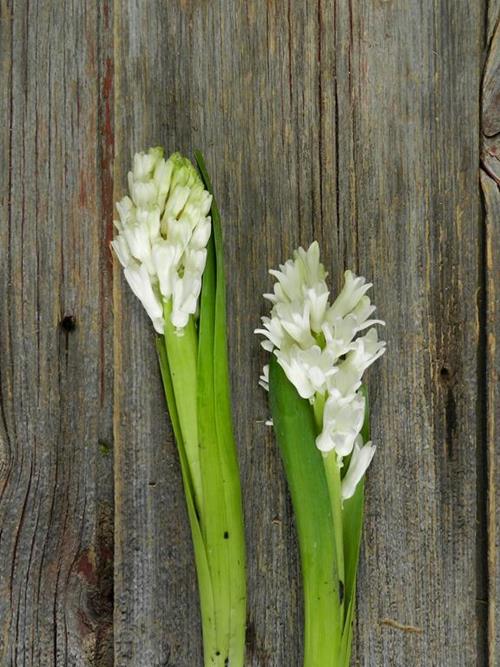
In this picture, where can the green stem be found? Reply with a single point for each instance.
(330, 461)
(182, 353)
(332, 470)
(205, 589)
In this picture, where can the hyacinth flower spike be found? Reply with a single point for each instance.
(319, 352)
(169, 243)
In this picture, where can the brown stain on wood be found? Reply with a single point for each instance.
(412, 629)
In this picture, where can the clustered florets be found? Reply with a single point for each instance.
(163, 231)
(317, 345)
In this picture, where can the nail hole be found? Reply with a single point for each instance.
(444, 372)
(152, 483)
(68, 323)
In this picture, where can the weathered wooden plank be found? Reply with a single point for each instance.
(356, 124)
(417, 82)
(490, 182)
(55, 470)
(491, 194)
(353, 123)
(491, 85)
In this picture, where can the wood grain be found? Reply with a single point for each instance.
(490, 183)
(355, 123)
(420, 233)
(56, 510)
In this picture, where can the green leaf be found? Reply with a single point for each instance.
(214, 509)
(234, 534)
(200, 554)
(295, 429)
(346, 643)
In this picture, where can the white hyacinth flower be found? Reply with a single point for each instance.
(342, 421)
(138, 278)
(361, 458)
(163, 230)
(309, 370)
(320, 347)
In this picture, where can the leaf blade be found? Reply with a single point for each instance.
(295, 428)
(229, 469)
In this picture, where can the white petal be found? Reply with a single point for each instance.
(354, 288)
(137, 237)
(139, 280)
(194, 260)
(120, 246)
(342, 421)
(144, 163)
(360, 460)
(294, 318)
(185, 298)
(124, 208)
(296, 372)
(177, 231)
(318, 300)
(144, 194)
(201, 234)
(150, 220)
(162, 177)
(166, 258)
(176, 200)
(264, 378)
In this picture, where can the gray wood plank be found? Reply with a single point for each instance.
(490, 182)
(491, 195)
(56, 512)
(420, 240)
(353, 123)
(491, 85)
(356, 124)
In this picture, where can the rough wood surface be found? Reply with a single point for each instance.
(356, 123)
(490, 183)
(56, 483)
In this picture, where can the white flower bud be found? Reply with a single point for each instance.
(124, 207)
(342, 422)
(165, 260)
(354, 288)
(176, 200)
(140, 282)
(144, 164)
(163, 232)
(295, 320)
(120, 246)
(137, 237)
(185, 298)
(201, 234)
(361, 458)
(144, 193)
(309, 370)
